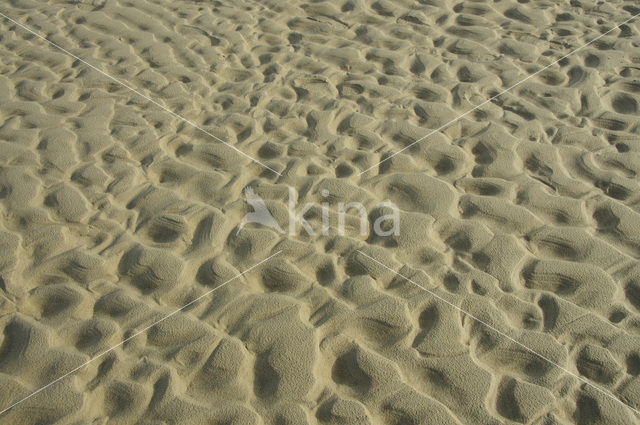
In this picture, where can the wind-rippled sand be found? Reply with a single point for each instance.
(524, 213)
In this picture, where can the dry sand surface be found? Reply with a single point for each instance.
(524, 213)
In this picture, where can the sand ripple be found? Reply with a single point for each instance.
(526, 213)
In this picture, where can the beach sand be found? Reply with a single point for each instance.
(519, 223)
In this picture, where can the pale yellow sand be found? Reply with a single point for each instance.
(525, 213)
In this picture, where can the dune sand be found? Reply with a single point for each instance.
(524, 213)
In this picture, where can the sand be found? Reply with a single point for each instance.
(519, 223)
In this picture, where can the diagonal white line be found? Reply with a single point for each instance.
(605, 392)
(138, 333)
(191, 123)
(498, 95)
